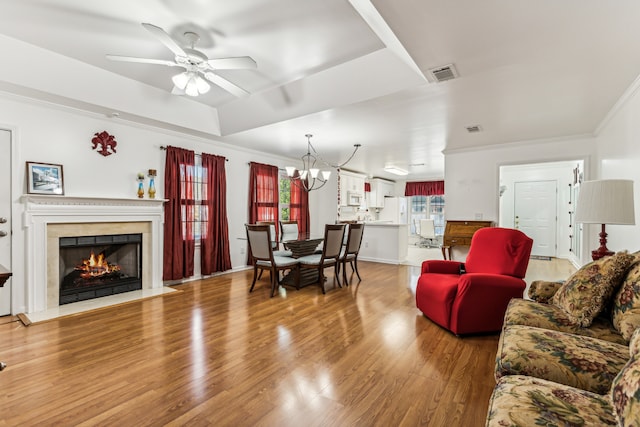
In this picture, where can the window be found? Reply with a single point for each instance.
(427, 207)
(194, 200)
(285, 197)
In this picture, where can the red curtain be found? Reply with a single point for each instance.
(299, 209)
(214, 240)
(424, 188)
(263, 195)
(179, 244)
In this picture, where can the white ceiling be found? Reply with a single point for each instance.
(352, 71)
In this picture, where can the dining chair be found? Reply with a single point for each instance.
(289, 230)
(274, 241)
(349, 253)
(333, 234)
(272, 230)
(259, 237)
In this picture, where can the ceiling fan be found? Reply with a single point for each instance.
(195, 63)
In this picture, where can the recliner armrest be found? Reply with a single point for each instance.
(441, 267)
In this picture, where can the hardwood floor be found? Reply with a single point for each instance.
(214, 354)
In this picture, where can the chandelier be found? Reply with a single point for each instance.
(311, 177)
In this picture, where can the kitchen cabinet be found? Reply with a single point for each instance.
(380, 188)
(350, 182)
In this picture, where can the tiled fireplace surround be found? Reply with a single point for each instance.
(47, 218)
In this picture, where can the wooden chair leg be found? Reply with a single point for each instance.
(273, 275)
(336, 273)
(255, 276)
(321, 279)
(354, 266)
(344, 272)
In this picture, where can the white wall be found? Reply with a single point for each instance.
(472, 176)
(618, 157)
(613, 153)
(47, 133)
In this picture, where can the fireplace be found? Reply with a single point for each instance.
(99, 265)
(46, 219)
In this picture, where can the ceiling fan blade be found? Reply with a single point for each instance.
(241, 62)
(165, 39)
(177, 91)
(142, 60)
(226, 85)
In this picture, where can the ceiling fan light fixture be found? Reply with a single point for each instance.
(181, 80)
(191, 83)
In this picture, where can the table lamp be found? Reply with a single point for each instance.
(608, 201)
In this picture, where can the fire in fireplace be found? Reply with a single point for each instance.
(97, 266)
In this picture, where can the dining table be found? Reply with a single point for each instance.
(302, 246)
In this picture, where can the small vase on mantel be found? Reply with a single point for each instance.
(140, 185)
(152, 183)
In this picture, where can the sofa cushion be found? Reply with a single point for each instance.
(527, 401)
(626, 302)
(625, 393)
(584, 295)
(531, 313)
(578, 361)
(543, 290)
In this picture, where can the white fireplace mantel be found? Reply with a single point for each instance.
(41, 211)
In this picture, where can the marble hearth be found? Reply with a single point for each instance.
(47, 218)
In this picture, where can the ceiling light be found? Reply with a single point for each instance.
(396, 170)
(191, 83)
(308, 178)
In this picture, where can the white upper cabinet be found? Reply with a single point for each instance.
(351, 183)
(380, 188)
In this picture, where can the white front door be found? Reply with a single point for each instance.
(5, 217)
(535, 214)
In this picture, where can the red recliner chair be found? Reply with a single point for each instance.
(472, 297)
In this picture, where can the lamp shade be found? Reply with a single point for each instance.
(608, 201)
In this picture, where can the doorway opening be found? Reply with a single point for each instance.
(539, 199)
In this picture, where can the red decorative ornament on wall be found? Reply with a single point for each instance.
(105, 141)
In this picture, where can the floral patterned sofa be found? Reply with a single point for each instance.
(520, 400)
(565, 348)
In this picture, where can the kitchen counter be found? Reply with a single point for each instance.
(384, 241)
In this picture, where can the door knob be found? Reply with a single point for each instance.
(3, 233)
(3, 220)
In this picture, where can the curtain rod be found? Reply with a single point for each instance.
(163, 148)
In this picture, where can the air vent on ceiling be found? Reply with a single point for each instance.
(444, 73)
(473, 129)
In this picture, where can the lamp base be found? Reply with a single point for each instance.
(602, 251)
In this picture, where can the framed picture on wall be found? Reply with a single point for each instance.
(44, 178)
